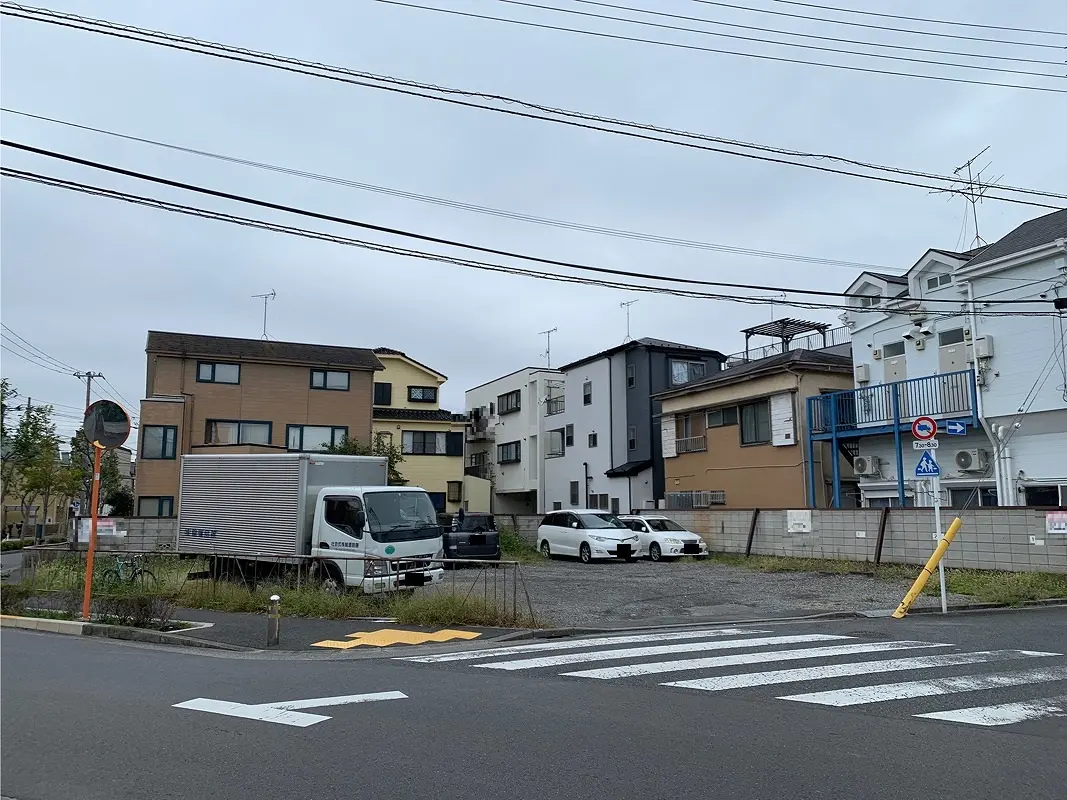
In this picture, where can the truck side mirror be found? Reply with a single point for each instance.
(574, 524)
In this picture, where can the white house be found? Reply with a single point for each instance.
(504, 440)
(951, 340)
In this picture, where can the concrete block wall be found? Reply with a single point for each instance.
(993, 538)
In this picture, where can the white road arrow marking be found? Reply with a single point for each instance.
(282, 712)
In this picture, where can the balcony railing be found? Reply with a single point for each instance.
(940, 396)
(814, 341)
(477, 471)
(555, 405)
(692, 444)
(696, 499)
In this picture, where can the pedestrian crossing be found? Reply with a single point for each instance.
(934, 680)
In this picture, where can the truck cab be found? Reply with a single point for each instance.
(376, 538)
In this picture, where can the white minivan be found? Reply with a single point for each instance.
(588, 534)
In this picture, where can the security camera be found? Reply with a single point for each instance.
(924, 331)
(911, 335)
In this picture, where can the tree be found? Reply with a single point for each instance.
(380, 447)
(28, 452)
(121, 502)
(46, 477)
(81, 460)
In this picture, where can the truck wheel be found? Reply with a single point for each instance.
(331, 580)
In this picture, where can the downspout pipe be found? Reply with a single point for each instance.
(1001, 477)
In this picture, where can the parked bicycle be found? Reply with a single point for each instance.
(129, 570)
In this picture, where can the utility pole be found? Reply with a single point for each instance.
(626, 304)
(88, 378)
(548, 344)
(265, 297)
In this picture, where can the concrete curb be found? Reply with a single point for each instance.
(1055, 601)
(75, 628)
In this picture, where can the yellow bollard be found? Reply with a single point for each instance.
(931, 565)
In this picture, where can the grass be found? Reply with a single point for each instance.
(985, 586)
(514, 548)
(14, 544)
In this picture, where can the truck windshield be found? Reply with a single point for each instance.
(400, 516)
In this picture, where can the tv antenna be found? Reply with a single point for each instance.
(265, 298)
(548, 345)
(973, 190)
(626, 304)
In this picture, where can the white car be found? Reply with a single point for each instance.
(588, 534)
(662, 537)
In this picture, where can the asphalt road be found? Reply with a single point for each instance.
(96, 719)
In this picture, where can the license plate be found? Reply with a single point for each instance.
(477, 539)
(622, 551)
(413, 579)
(691, 547)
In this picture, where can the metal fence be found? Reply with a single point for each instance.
(682, 500)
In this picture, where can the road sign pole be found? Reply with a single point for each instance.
(935, 486)
(87, 595)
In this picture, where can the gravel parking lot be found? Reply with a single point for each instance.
(567, 593)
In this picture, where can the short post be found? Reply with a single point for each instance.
(274, 620)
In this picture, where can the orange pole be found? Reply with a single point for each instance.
(87, 597)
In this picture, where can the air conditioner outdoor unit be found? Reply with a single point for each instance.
(866, 466)
(972, 460)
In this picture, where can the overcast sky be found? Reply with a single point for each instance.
(84, 278)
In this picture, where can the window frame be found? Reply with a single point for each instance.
(504, 404)
(382, 389)
(516, 445)
(631, 376)
(955, 333)
(689, 371)
(575, 493)
(163, 444)
(454, 491)
(587, 393)
(895, 345)
(160, 499)
(568, 435)
(214, 366)
(424, 434)
(412, 399)
(765, 403)
(593, 440)
(551, 448)
(869, 300)
(326, 373)
(722, 412)
(938, 281)
(334, 441)
(631, 438)
(240, 438)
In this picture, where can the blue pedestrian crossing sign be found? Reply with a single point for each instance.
(927, 467)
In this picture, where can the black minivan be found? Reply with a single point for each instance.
(473, 535)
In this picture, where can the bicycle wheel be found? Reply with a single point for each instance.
(144, 578)
(110, 578)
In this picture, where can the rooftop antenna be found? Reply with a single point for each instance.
(548, 345)
(626, 304)
(265, 297)
(974, 190)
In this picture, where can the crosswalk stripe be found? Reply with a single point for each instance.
(657, 650)
(740, 659)
(885, 692)
(855, 668)
(1004, 714)
(572, 644)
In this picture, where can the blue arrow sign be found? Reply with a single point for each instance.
(955, 427)
(927, 467)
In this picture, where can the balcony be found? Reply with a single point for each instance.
(691, 444)
(872, 410)
(682, 500)
(477, 471)
(481, 433)
(555, 405)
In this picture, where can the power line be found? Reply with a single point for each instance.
(408, 234)
(720, 51)
(119, 396)
(7, 345)
(480, 265)
(425, 91)
(893, 28)
(738, 37)
(42, 353)
(798, 34)
(919, 19)
(557, 223)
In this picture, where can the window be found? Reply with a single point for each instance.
(721, 417)
(509, 453)
(210, 372)
(574, 493)
(159, 441)
(509, 403)
(756, 423)
(937, 281)
(228, 431)
(587, 393)
(946, 338)
(631, 438)
(686, 371)
(568, 436)
(1043, 496)
(893, 349)
(424, 443)
(454, 443)
(314, 438)
(556, 506)
(868, 300)
(383, 394)
(155, 507)
(342, 513)
(614, 505)
(592, 439)
(422, 394)
(556, 448)
(631, 376)
(329, 379)
(455, 491)
(970, 497)
(599, 501)
(492, 409)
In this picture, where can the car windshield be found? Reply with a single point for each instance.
(401, 516)
(664, 525)
(604, 520)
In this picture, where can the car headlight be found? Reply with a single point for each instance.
(375, 568)
(672, 540)
(598, 538)
(631, 539)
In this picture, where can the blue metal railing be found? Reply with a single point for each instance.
(949, 395)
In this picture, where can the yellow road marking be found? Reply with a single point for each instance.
(391, 636)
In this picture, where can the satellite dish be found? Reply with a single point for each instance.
(107, 424)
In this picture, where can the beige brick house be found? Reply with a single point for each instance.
(218, 394)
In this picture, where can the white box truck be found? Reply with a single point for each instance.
(358, 531)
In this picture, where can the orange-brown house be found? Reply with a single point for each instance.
(219, 394)
(737, 438)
